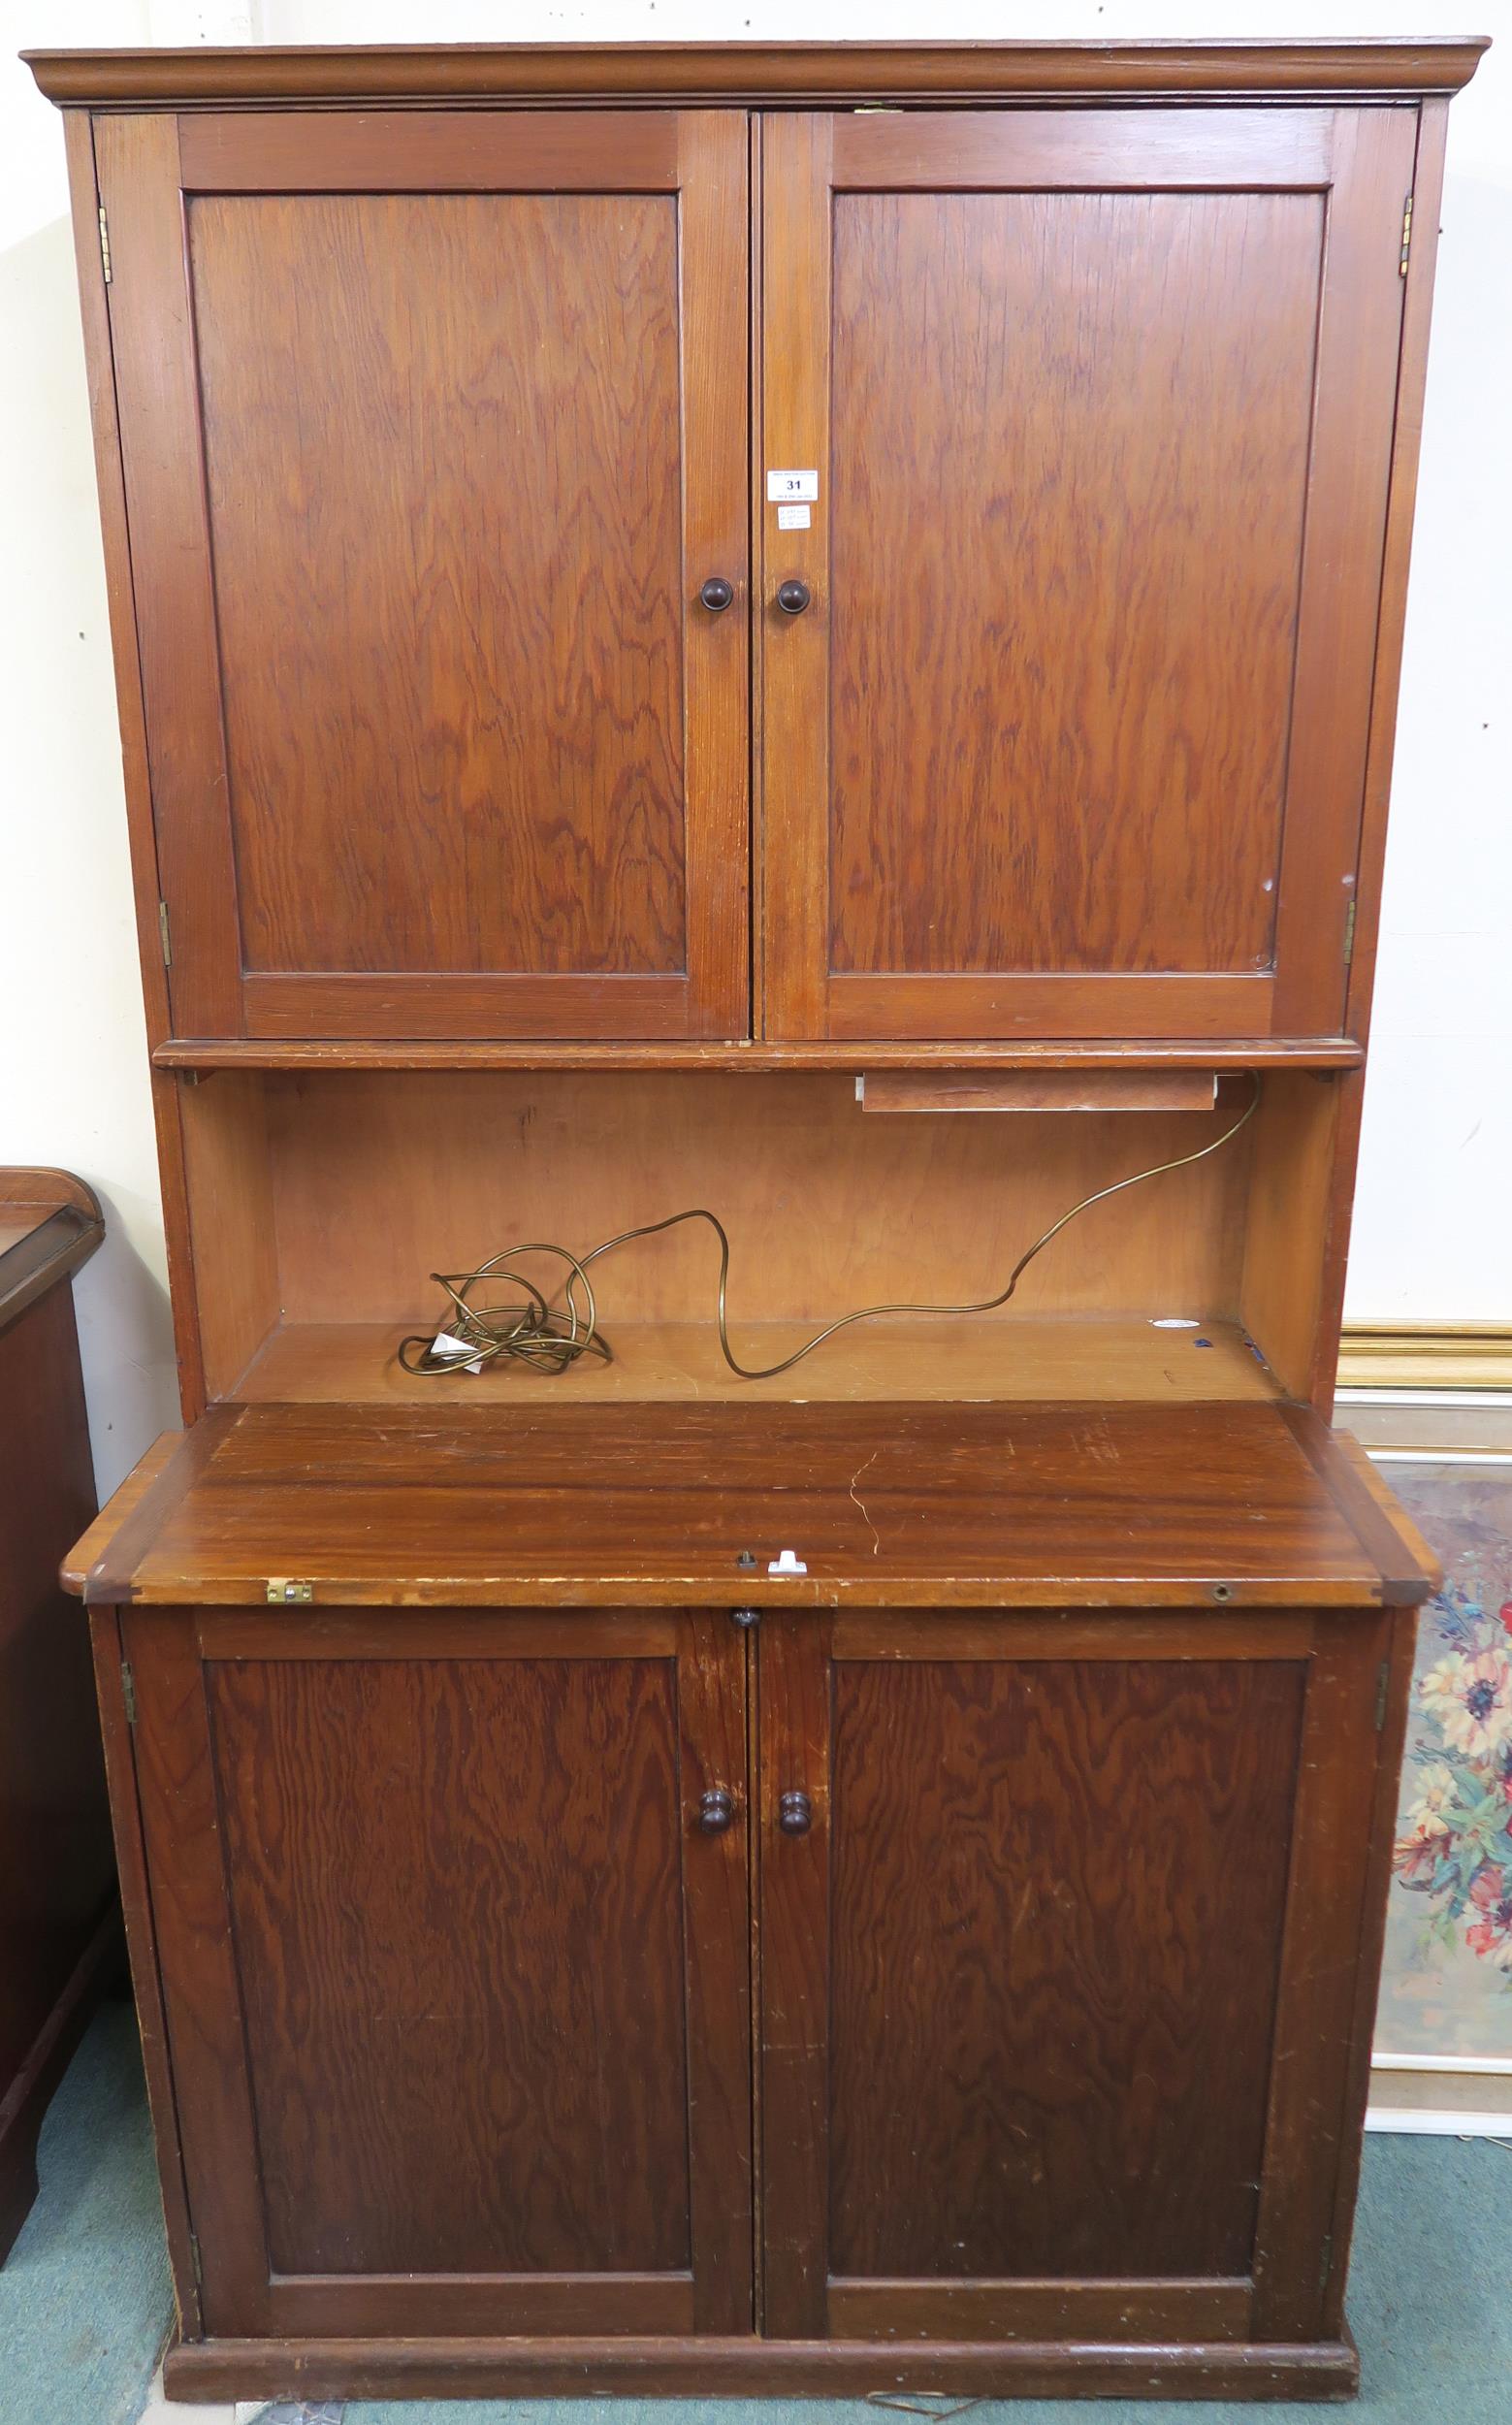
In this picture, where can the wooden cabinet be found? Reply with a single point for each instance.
(1070, 737)
(59, 1925)
(1060, 1834)
(809, 632)
(455, 1974)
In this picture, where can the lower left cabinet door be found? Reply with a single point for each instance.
(455, 1957)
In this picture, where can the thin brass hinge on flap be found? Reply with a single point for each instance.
(1406, 235)
(1382, 1694)
(283, 1591)
(1327, 2265)
(129, 1692)
(105, 244)
(194, 2260)
(163, 934)
(1349, 933)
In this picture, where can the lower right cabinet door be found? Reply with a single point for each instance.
(1066, 1971)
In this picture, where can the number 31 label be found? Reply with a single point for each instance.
(792, 488)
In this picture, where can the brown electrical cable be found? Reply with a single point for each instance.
(549, 1338)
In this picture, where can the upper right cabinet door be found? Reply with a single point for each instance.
(1095, 410)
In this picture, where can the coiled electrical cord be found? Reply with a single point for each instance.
(548, 1337)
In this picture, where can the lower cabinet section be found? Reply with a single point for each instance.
(1045, 2051)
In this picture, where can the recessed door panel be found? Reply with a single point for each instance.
(433, 432)
(1070, 737)
(1053, 417)
(1058, 1896)
(442, 444)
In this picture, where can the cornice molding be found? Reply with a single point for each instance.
(754, 75)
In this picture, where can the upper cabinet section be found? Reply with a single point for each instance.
(1070, 737)
(432, 430)
(770, 552)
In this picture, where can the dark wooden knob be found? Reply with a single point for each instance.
(744, 1618)
(717, 593)
(716, 1810)
(795, 1814)
(792, 596)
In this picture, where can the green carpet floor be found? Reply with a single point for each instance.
(84, 2298)
(85, 2301)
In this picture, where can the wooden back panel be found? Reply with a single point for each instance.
(381, 1179)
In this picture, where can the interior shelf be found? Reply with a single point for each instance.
(1217, 1052)
(1062, 1357)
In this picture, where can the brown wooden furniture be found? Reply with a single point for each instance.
(668, 601)
(59, 1924)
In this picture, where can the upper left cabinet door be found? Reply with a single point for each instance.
(434, 428)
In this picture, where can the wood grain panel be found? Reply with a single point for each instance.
(1056, 1899)
(228, 1173)
(58, 1898)
(455, 1890)
(1338, 607)
(1033, 1356)
(1317, 2097)
(1031, 1090)
(159, 403)
(1135, 2309)
(966, 1504)
(181, 1821)
(1053, 416)
(795, 1872)
(1290, 1232)
(472, 724)
(452, 1167)
(1427, 182)
(261, 151)
(1076, 150)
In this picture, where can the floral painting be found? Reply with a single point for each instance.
(1447, 1988)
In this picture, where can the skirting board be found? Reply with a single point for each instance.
(1420, 2123)
(1426, 1355)
(1455, 2096)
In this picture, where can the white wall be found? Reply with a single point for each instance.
(1430, 1232)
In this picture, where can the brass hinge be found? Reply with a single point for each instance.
(105, 244)
(1382, 1694)
(283, 1591)
(1327, 2265)
(1406, 235)
(163, 934)
(1349, 933)
(129, 1692)
(195, 2261)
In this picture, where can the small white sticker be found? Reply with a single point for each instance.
(785, 488)
(792, 517)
